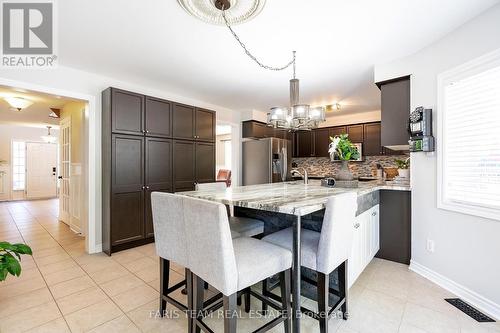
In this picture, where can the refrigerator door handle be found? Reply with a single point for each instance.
(284, 165)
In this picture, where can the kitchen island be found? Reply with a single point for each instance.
(280, 205)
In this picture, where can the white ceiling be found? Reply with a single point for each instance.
(35, 115)
(337, 43)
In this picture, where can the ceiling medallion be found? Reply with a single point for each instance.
(209, 11)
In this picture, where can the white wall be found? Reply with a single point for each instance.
(467, 248)
(8, 133)
(71, 82)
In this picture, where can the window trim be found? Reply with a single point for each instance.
(12, 189)
(469, 68)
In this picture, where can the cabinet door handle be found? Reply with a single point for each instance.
(356, 225)
(374, 213)
(144, 187)
(147, 187)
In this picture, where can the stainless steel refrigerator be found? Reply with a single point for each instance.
(266, 161)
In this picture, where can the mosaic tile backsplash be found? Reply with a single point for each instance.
(322, 166)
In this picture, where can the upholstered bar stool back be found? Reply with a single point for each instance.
(210, 186)
(335, 241)
(170, 241)
(211, 252)
(169, 229)
(240, 226)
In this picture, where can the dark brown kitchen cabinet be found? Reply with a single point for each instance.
(321, 142)
(304, 142)
(141, 154)
(127, 183)
(183, 118)
(395, 110)
(205, 162)
(205, 125)
(158, 174)
(395, 226)
(371, 144)
(257, 130)
(127, 112)
(158, 117)
(192, 123)
(355, 133)
(184, 165)
(338, 130)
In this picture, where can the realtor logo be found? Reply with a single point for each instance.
(28, 34)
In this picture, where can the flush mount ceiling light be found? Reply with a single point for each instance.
(49, 138)
(230, 12)
(333, 107)
(18, 103)
(239, 11)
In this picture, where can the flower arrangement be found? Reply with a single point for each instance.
(343, 148)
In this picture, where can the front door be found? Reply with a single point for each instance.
(41, 172)
(64, 170)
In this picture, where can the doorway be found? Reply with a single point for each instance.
(41, 170)
(45, 165)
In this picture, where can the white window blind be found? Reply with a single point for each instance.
(471, 141)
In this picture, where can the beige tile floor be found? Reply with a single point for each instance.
(62, 289)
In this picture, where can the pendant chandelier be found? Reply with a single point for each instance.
(293, 117)
(296, 116)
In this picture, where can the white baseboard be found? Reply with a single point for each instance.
(485, 305)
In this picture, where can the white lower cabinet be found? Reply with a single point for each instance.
(365, 243)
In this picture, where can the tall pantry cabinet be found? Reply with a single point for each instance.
(148, 144)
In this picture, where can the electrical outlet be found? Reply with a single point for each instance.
(430, 245)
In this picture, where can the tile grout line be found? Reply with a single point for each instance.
(38, 267)
(86, 273)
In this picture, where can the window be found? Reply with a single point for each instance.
(469, 141)
(18, 165)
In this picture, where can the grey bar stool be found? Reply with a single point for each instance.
(241, 226)
(326, 251)
(231, 265)
(170, 242)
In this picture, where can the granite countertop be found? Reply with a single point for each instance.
(293, 197)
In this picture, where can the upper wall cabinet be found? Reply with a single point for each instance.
(127, 112)
(321, 142)
(137, 114)
(193, 123)
(183, 116)
(256, 129)
(371, 144)
(205, 125)
(338, 130)
(158, 117)
(355, 133)
(395, 112)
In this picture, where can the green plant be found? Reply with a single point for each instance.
(343, 147)
(10, 257)
(403, 164)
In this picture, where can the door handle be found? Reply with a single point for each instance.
(60, 177)
(356, 225)
(374, 213)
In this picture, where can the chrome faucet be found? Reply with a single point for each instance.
(304, 175)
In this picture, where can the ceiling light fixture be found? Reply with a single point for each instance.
(333, 107)
(49, 138)
(18, 103)
(294, 117)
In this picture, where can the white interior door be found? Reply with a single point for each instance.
(64, 170)
(41, 163)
